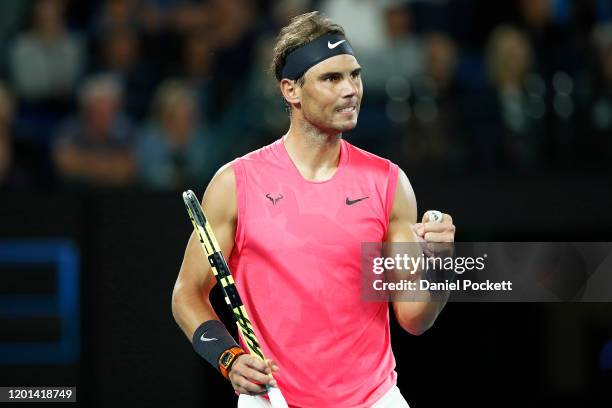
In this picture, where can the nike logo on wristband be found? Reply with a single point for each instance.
(331, 45)
(208, 339)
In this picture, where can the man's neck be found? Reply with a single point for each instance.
(316, 154)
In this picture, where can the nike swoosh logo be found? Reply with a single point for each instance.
(331, 46)
(208, 339)
(351, 202)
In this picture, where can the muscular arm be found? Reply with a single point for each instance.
(414, 317)
(190, 298)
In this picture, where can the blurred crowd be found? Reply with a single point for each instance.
(157, 94)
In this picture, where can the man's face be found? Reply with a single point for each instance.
(100, 113)
(331, 95)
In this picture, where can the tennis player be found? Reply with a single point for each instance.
(292, 216)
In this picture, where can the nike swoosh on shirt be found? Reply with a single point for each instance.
(351, 202)
(331, 46)
(208, 339)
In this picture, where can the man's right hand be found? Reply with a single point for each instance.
(250, 375)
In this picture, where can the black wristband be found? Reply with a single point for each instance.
(210, 340)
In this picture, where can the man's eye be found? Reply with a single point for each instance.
(332, 78)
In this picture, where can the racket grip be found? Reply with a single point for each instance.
(276, 398)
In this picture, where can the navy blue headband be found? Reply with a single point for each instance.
(301, 59)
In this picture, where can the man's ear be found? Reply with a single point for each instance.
(290, 91)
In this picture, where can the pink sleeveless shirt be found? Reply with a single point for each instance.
(296, 263)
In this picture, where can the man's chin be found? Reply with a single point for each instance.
(345, 127)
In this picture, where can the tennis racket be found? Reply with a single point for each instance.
(226, 281)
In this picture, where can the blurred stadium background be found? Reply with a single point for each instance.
(500, 112)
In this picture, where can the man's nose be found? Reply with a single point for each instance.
(349, 88)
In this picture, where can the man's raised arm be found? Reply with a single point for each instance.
(415, 316)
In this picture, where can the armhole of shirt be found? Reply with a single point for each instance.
(392, 178)
(241, 198)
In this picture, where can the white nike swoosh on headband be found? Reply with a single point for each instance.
(331, 46)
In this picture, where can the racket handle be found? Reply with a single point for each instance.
(276, 398)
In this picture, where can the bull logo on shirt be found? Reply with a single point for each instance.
(273, 199)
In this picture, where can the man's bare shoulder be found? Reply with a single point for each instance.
(225, 176)
(220, 195)
(404, 201)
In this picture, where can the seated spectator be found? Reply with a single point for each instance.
(198, 64)
(266, 119)
(46, 61)
(400, 55)
(433, 139)
(120, 53)
(12, 176)
(552, 46)
(95, 148)
(235, 34)
(115, 14)
(174, 149)
(178, 16)
(517, 97)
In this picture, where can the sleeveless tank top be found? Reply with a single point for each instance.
(296, 263)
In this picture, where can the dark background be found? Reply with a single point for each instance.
(476, 354)
(548, 180)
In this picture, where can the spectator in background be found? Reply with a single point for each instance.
(237, 20)
(551, 45)
(401, 53)
(198, 59)
(433, 138)
(155, 28)
(121, 56)
(441, 61)
(46, 61)
(12, 176)
(517, 98)
(557, 58)
(266, 117)
(235, 34)
(174, 150)
(95, 149)
(116, 14)
(181, 16)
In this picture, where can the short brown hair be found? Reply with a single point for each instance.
(301, 30)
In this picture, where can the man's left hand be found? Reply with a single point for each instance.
(442, 231)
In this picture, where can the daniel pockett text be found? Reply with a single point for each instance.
(421, 273)
(486, 272)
